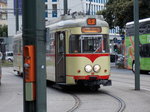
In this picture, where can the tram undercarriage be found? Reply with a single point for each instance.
(93, 84)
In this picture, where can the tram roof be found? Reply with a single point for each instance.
(75, 21)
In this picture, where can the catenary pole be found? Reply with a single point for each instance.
(65, 6)
(89, 11)
(136, 45)
(34, 35)
(17, 15)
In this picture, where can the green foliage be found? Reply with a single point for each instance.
(6, 63)
(3, 31)
(119, 12)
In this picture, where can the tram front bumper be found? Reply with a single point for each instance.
(104, 82)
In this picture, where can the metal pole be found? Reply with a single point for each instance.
(40, 57)
(89, 7)
(65, 6)
(136, 41)
(17, 16)
(34, 34)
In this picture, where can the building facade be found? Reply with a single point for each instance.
(55, 8)
(3, 22)
(12, 17)
(3, 13)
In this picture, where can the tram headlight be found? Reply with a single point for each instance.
(88, 68)
(96, 68)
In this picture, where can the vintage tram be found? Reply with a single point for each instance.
(77, 51)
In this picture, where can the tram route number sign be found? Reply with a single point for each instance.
(91, 21)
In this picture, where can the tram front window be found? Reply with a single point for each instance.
(89, 44)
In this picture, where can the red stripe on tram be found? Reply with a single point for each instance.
(92, 57)
(88, 77)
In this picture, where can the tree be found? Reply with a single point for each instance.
(3, 31)
(119, 12)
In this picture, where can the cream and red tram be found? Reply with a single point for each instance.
(77, 51)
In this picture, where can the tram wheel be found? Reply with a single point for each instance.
(141, 71)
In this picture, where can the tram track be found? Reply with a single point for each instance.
(122, 104)
(120, 108)
(75, 93)
(77, 100)
(76, 104)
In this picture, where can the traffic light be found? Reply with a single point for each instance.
(115, 40)
(115, 48)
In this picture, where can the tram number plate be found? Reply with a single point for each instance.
(92, 77)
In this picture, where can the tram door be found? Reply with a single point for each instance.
(60, 58)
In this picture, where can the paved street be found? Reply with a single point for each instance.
(11, 92)
(59, 101)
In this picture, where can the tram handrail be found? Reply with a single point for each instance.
(60, 59)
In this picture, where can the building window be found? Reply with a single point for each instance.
(54, 0)
(86, 7)
(91, 11)
(46, 11)
(54, 12)
(46, 14)
(96, 8)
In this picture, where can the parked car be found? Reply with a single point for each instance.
(120, 62)
(9, 56)
(1, 55)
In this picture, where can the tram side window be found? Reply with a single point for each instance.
(61, 45)
(16, 47)
(75, 44)
(145, 50)
(20, 46)
(50, 44)
(106, 43)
